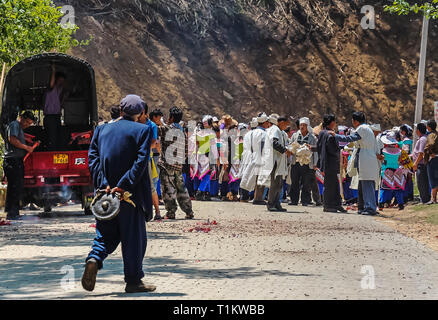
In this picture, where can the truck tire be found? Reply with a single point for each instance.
(47, 211)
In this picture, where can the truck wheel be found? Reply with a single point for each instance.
(47, 212)
(47, 208)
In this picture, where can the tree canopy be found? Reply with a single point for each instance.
(29, 27)
(403, 7)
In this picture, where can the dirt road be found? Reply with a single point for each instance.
(249, 254)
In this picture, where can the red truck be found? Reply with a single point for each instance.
(54, 176)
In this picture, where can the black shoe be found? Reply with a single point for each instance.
(190, 216)
(318, 204)
(199, 196)
(170, 216)
(259, 202)
(158, 217)
(401, 207)
(276, 209)
(140, 287)
(306, 204)
(207, 196)
(290, 203)
(330, 210)
(370, 213)
(89, 276)
(341, 209)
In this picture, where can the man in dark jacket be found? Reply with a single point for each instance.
(118, 162)
(329, 163)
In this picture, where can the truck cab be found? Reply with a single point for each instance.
(51, 175)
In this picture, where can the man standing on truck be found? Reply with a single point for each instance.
(52, 108)
(118, 162)
(13, 167)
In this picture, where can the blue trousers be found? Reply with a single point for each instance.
(265, 193)
(387, 195)
(196, 183)
(321, 188)
(369, 195)
(348, 193)
(284, 191)
(204, 184)
(159, 188)
(128, 228)
(214, 187)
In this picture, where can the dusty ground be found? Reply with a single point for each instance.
(419, 222)
(249, 254)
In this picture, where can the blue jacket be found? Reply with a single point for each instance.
(118, 156)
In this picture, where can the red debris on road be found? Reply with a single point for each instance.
(5, 223)
(93, 225)
(208, 223)
(199, 229)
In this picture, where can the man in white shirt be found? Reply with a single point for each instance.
(366, 163)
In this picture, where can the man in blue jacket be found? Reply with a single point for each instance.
(118, 162)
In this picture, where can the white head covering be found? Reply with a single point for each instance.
(388, 138)
(263, 118)
(376, 127)
(206, 118)
(305, 120)
(254, 123)
(215, 119)
(273, 118)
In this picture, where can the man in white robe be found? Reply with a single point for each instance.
(245, 184)
(255, 163)
(275, 169)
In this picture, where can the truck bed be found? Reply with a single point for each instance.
(57, 168)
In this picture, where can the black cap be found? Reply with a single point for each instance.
(28, 115)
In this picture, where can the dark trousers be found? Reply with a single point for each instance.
(128, 228)
(316, 196)
(244, 194)
(360, 203)
(275, 189)
(423, 183)
(52, 125)
(301, 176)
(258, 192)
(14, 171)
(232, 187)
(332, 195)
